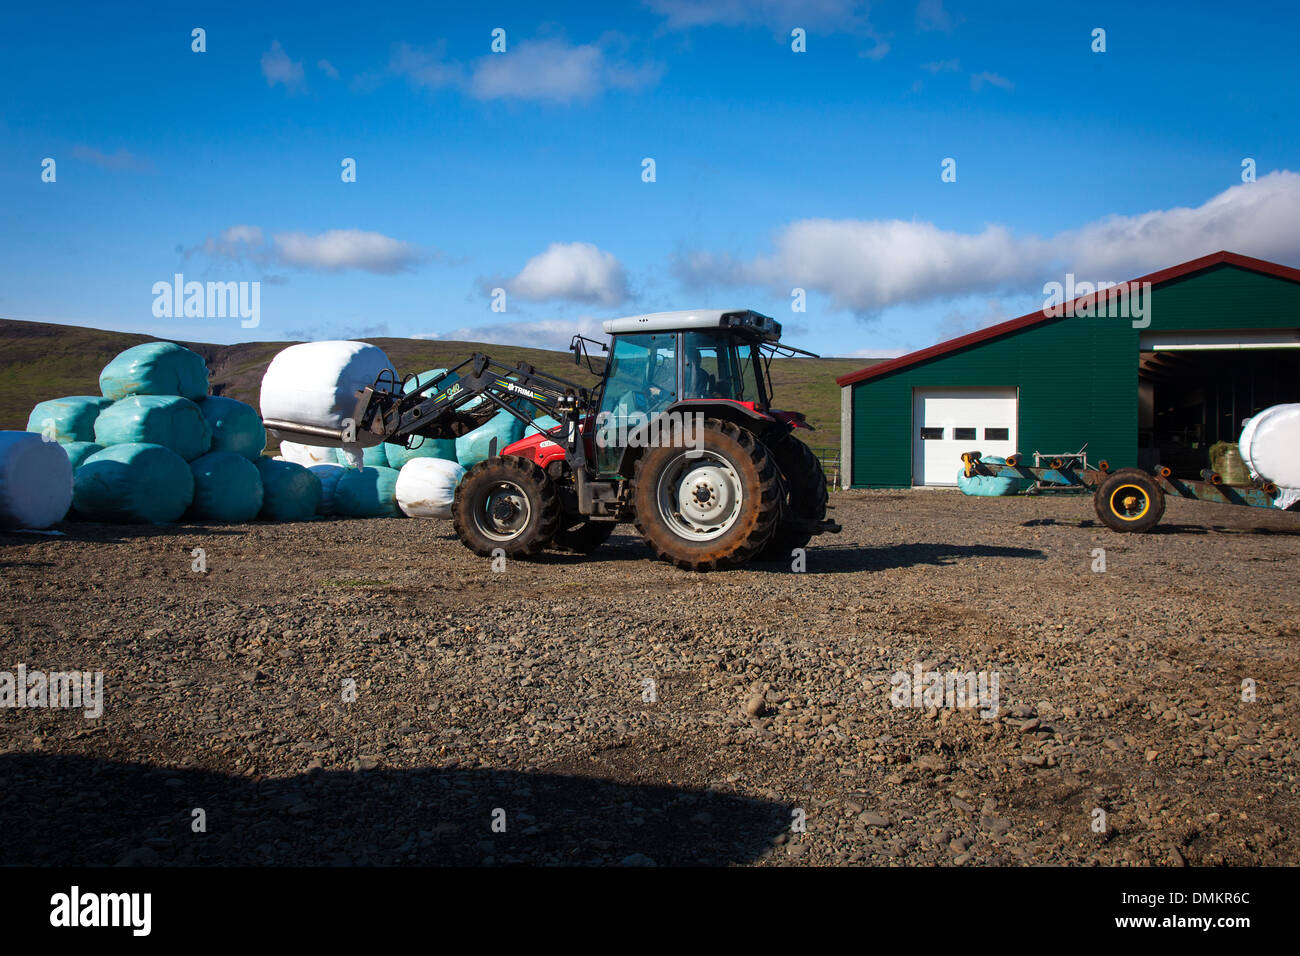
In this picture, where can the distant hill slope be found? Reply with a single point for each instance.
(39, 361)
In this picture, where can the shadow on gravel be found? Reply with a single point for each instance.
(118, 533)
(1221, 529)
(72, 810)
(848, 560)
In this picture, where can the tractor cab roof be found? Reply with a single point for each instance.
(689, 320)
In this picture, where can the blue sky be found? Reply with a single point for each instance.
(523, 170)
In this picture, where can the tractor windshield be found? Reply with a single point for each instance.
(715, 365)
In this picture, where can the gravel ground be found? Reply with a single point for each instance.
(519, 698)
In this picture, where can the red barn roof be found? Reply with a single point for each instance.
(1036, 318)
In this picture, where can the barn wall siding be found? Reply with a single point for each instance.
(1077, 376)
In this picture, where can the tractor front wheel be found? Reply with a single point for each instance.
(804, 497)
(710, 505)
(1129, 501)
(506, 503)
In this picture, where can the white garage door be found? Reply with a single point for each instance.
(949, 421)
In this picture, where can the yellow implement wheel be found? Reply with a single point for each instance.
(1129, 500)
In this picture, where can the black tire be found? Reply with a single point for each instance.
(1129, 501)
(736, 499)
(584, 537)
(803, 496)
(508, 503)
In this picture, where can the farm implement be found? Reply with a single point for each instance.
(1128, 500)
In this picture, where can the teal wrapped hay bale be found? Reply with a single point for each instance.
(328, 475)
(991, 486)
(443, 448)
(67, 419)
(236, 426)
(423, 378)
(352, 456)
(155, 368)
(367, 493)
(79, 451)
(135, 483)
(289, 491)
(35, 481)
(166, 420)
(473, 447)
(227, 487)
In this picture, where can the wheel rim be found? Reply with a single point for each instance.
(1129, 502)
(502, 511)
(700, 498)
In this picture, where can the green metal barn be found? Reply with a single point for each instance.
(1219, 339)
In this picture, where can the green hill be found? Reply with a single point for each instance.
(39, 361)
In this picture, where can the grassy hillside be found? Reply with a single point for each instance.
(40, 361)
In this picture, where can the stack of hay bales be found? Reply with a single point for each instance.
(156, 447)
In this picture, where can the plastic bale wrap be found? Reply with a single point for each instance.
(166, 420)
(68, 419)
(444, 448)
(1270, 445)
(316, 383)
(227, 487)
(79, 451)
(235, 425)
(426, 487)
(354, 456)
(473, 447)
(155, 368)
(289, 491)
(367, 493)
(328, 475)
(135, 483)
(35, 481)
(308, 455)
(990, 486)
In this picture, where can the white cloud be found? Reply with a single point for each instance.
(122, 160)
(573, 271)
(328, 68)
(867, 265)
(278, 68)
(979, 80)
(780, 16)
(341, 249)
(551, 70)
(930, 15)
(336, 250)
(942, 66)
(538, 334)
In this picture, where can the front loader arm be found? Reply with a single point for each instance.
(434, 411)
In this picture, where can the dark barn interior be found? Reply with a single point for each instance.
(1191, 399)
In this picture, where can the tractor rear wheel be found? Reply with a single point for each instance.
(506, 503)
(703, 508)
(584, 537)
(803, 496)
(1129, 500)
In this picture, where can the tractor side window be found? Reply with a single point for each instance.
(708, 366)
(642, 374)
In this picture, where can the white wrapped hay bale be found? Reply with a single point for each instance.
(426, 487)
(1270, 445)
(307, 455)
(316, 384)
(35, 481)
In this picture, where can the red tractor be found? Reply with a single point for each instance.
(679, 437)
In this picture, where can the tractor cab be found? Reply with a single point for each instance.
(680, 361)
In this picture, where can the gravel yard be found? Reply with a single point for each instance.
(612, 709)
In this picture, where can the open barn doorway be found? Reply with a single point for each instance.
(1190, 397)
